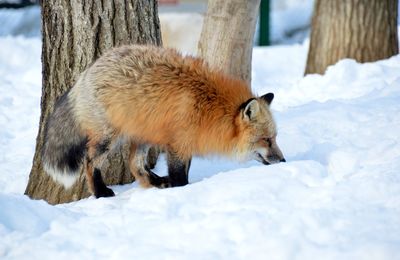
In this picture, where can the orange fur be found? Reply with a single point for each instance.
(175, 101)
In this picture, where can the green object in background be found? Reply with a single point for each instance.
(264, 23)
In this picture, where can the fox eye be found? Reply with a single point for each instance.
(268, 141)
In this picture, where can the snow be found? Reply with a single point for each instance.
(337, 197)
(20, 91)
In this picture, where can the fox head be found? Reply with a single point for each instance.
(258, 139)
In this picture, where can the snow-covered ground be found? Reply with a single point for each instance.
(337, 197)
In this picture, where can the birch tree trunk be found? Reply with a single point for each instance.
(364, 30)
(226, 40)
(75, 33)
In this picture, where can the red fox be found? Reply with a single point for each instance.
(150, 96)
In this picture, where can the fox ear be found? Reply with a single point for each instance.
(268, 98)
(250, 109)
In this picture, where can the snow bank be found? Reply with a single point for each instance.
(20, 90)
(345, 80)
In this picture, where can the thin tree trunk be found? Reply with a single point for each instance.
(364, 30)
(75, 33)
(226, 40)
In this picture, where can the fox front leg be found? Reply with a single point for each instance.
(178, 169)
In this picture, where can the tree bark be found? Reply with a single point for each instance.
(364, 30)
(226, 40)
(75, 33)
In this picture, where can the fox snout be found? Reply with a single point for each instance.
(274, 159)
(269, 155)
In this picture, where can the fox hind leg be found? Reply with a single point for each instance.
(97, 153)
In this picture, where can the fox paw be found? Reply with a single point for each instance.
(158, 181)
(104, 192)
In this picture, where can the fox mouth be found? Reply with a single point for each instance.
(261, 159)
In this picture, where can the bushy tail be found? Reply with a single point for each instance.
(64, 146)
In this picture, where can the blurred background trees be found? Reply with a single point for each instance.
(17, 4)
(364, 30)
(226, 40)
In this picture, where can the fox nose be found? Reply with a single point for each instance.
(283, 160)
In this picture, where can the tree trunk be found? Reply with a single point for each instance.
(364, 30)
(226, 40)
(75, 33)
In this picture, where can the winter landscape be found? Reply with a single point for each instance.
(336, 197)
